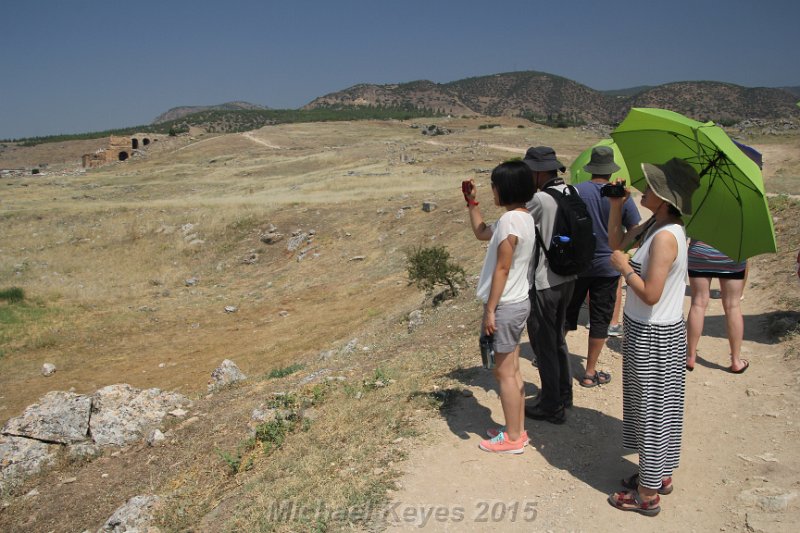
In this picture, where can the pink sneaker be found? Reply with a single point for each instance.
(502, 444)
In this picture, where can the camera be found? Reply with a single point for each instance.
(487, 351)
(613, 190)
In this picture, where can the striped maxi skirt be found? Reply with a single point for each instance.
(653, 384)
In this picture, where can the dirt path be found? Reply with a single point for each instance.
(249, 135)
(740, 443)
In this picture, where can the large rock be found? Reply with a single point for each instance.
(21, 457)
(122, 414)
(135, 516)
(60, 417)
(226, 374)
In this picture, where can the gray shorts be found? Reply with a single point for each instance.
(510, 321)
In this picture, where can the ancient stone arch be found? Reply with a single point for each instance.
(116, 149)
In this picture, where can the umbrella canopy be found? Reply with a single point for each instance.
(578, 175)
(730, 207)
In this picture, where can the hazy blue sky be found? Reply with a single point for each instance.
(87, 65)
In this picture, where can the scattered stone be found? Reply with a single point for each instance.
(767, 457)
(768, 498)
(357, 258)
(271, 237)
(178, 413)
(191, 282)
(69, 480)
(314, 376)
(429, 206)
(350, 347)
(250, 259)
(751, 392)
(61, 417)
(297, 241)
(414, 320)
(466, 393)
(231, 308)
(136, 515)
(155, 437)
(32, 493)
(284, 313)
(224, 375)
(48, 369)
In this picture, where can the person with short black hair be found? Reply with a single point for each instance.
(503, 287)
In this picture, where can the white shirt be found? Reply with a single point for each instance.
(520, 224)
(669, 308)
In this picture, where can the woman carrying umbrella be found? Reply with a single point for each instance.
(705, 263)
(654, 345)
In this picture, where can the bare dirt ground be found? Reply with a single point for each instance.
(104, 258)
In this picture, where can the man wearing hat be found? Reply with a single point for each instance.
(601, 280)
(549, 297)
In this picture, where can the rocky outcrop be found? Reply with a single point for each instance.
(122, 414)
(59, 417)
(80, 424)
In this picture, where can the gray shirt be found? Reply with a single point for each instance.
(542, 208)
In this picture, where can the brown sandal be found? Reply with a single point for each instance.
(633, 484)
(633, 501)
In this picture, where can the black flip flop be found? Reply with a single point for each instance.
(741, 370)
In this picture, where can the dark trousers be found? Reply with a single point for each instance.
(546, 332)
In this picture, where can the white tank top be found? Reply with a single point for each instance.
(669, 308)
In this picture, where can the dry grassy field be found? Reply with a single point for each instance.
(104, 258)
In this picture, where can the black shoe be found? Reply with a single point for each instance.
(554, 417)
(567, 402)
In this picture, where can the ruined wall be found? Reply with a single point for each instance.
(118, 149)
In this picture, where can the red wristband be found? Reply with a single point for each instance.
(469, 203)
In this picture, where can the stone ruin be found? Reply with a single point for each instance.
(118, 149)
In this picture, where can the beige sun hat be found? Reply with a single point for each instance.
(674, 182)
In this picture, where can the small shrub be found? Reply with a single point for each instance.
(283, 372)
(428, 267)
(12, 295)
(233, 462)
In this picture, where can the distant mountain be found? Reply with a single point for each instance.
(794, 90)
(551, 98)
(179, 112)
(630, 91)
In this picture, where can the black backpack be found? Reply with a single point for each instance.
(572, 248)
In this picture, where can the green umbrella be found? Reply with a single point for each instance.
(730, 207)
(578, 175)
